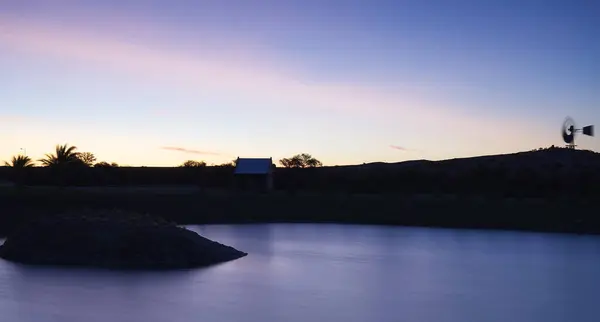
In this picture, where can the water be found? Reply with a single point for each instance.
(332, 273)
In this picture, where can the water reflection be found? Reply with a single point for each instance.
(332, 273)
(258, 237)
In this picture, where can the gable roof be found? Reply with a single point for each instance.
(253, 165)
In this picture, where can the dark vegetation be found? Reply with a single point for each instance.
(551, 172)
(552, 189)
(112, 239)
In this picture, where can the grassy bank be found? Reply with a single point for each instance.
(190, 205)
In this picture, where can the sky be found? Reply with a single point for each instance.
(155, 83)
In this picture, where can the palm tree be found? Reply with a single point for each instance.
(63, 156)
(19, 162)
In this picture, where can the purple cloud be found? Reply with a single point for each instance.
(190, 151)
(397, 147)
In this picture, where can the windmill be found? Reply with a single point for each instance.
(569, 130)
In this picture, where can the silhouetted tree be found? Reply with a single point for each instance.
(290, 162)
(19, 164)
(311, 162)
(104, 164)
(88, 158)
(230, 164)
(64, 155)
(303, 160)
(193, 164)
(20, 161)
(226, 165)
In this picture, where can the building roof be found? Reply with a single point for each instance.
(253, 165)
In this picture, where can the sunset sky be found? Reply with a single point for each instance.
(148, 82)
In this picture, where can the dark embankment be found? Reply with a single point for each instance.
(111, 239)
(544, 173)
(202, 207)
(550, 189)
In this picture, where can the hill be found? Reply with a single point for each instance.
(539, 158)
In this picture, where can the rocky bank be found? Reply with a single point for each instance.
(112, 239)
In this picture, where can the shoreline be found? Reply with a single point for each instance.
(194, 206)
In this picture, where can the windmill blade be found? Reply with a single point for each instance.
(568, 138)
(568, 132)
(588, 130)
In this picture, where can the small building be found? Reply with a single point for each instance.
(254, 174)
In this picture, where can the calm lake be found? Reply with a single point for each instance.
(332, 273)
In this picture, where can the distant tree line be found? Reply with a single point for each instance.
(554, 172)
(64, 156)
(303, 160)
(67, 166)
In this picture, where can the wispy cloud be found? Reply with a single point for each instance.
(254, 79)
(190, 151)
(400, 148)
(205, 69)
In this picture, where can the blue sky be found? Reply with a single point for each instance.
(343, 80)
